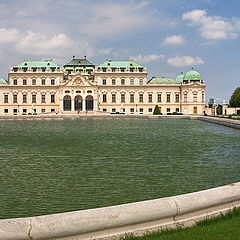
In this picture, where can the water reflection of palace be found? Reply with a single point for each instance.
(41, 87)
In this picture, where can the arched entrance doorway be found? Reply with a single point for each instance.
(89, 103)
(67, 103)
(78, 103)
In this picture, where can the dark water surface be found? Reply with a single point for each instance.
(51, 166)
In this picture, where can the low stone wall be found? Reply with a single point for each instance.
(221, 121)
(115, 221)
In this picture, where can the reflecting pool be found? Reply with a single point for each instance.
(52, 166)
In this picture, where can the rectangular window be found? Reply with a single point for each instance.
(104, 98)
(141, 98)
(52, 98)
(123, 98)
(122, 69)
(104, 82)
(149, 97)
(177, 98)
(122, 81)
(131, 110)
(33, 81)
(52, 109)
(113, 98)
(168, 97)
(140, 81)
(185, 97)
(123, 110)
(24, 111)
(203, 97)
(159, 97)
(43, 110)
(104, 110)
(177, 110)
(150, 110)
(194, 97)
(113, 109)
(24, 81)
(5, 110)
(131, 81)
(113, 81)
(168, 109)
(15, 98)
(141, 110)
(15, 111)
(52, 81)
(14, 81)
(131, 98)
(24, 98)
(33, 98)
(43, 81)
(43, 98)
(5, 98)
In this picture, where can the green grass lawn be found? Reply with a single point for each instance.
(224, 227)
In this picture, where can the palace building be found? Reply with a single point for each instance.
(80, 87)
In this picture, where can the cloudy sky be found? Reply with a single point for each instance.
(166, 36)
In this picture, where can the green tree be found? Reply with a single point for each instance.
(235, 98)
(156, 110)
(219, 109)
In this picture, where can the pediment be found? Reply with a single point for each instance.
(77, 81)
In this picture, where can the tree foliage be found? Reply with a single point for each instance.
(235, 98)
(219, 109)
(156, 110)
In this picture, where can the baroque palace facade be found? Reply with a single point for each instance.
(43, 87)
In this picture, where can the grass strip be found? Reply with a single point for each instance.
(223, 227)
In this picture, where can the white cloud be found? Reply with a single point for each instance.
(38, 44)
(175, 39)
(182, 61)
(147, 58)
(9, 35)
(212, 27)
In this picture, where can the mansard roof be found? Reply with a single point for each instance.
(3, 81)
(79, 62)
(162, 80)
(37, 64)
(120, 64)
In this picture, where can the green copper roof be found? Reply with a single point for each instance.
(162, 80)
(120, 64)
(179, 78)
(192, 75)
(37, 64)
(3, 81)
(79, 63)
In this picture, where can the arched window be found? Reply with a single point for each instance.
(67, 103)
(89, 103)
(78, 103)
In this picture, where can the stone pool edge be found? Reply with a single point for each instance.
(134, 218)
(220, 121)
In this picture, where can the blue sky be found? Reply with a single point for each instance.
(166, 36)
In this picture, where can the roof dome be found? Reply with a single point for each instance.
(192, 75)
(179, 78)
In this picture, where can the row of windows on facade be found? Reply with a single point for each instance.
(123, 82)
(150, 98)
(113, 69)
(24, 111)
(132, 110)
(34, 81)
(24, 98)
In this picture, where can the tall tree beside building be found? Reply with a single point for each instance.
(235, 98)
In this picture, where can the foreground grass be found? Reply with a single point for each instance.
(223, 227)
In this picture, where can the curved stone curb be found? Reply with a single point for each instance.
(115, 221)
